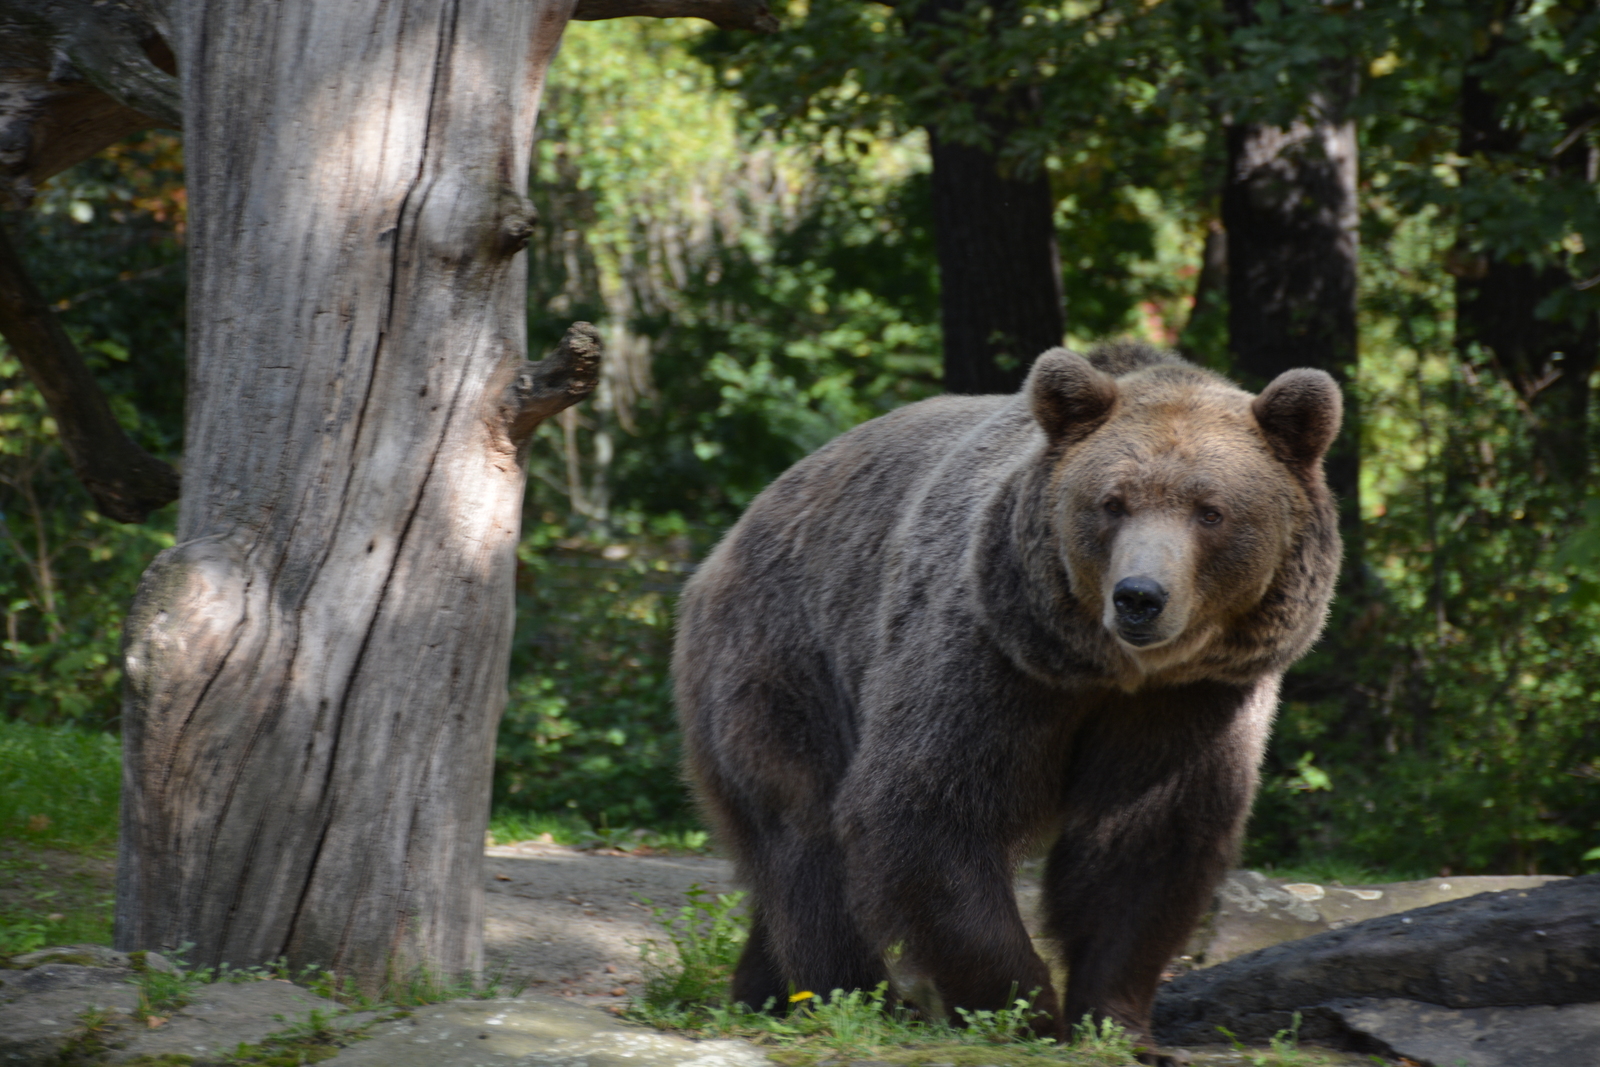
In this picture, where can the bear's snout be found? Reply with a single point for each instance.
(1138, 601)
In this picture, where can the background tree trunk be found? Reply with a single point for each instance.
(999, 275)
(1548, 361)
(1289, 209)
(316, 671)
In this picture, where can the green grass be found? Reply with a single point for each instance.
(1344, 872)
(59, 789)
(507, 827)
(59, 786)
(686, 989)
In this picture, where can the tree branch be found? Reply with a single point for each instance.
(125, 482)
(540, 390)
(725, 14)
(76, 76)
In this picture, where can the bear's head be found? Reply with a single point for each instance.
(1180, 500)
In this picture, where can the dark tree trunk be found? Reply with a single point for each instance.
(999, 276)
(1547, 361)
(999, 279)
(316, 670)
(1289, 208)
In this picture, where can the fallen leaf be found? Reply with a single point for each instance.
(153, 1021)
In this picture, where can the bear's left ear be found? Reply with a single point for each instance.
(1300, 414)
(1070, 398)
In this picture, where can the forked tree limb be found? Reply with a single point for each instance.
(75, 77)
(125, 482)
(725, 14)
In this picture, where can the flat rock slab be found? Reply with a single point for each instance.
(1513, 948)
(530, 1030)
(1253, 911)
(219, 1018)
(1566, 1035)
(40, 1008)
(43, 1010)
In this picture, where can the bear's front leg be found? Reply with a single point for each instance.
(1158, 789)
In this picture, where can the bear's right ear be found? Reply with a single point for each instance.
(1070, 399)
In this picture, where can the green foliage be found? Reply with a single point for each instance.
(1472, 742)
(59, 785)
(103, 244)
(706, 936)
(49, 903)
(162, 989)
(589, 724)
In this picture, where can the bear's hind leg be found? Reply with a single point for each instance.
(808, 937)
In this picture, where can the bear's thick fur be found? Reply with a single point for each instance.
(981, 624)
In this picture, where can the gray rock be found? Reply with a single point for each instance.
(82, 955)
(220, 1017)
(48, 977)
(1567, 1035)
(1254, 912)
(1507, 949)
(34, 1028)
(529, 1030)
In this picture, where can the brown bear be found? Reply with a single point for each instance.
(980, 625)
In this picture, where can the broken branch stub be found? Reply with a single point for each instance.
(540, 390)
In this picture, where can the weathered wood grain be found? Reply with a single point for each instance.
(316, 671)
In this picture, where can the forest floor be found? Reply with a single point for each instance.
(571, 923)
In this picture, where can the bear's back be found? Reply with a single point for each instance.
(805, 567)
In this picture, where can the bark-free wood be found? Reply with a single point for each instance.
(316, 671)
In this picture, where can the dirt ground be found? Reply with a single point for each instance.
(570, 922)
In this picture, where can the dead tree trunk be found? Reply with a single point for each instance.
(316, 671)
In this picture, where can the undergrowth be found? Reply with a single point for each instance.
(686, 989)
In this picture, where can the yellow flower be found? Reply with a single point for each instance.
(795, 998)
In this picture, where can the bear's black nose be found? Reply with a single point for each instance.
(1138, 600)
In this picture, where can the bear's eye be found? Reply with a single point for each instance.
(1116, 508)
(1210, 516)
